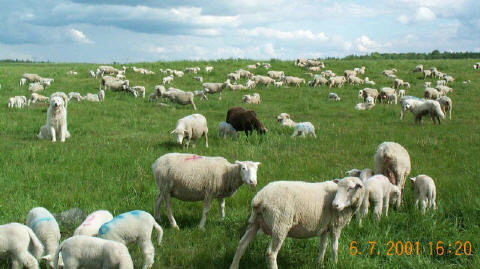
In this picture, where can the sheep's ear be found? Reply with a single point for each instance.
(258, 163)
(172, 132)
(238, 162)
(412, 179)
(47, 258)
(336, 180)
(358, 186)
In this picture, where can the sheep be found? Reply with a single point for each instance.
(368, 81)
(355, 80)
(234, 87)
(93, 222)
(252, 66)
(303, 129)
(418, 68)
(214, 87)
(360, 70)
(190, 177)
(328, 74)
(244, 73)
(35, 97)
(284, 120)
(197, 78)
(448, 78)
(392, 160)
(278, 83)
(226, 129)
(363, 175)
(381, 193)
(208, 69)
(99, 97)
(92, 74)
(116, 85)
(319, 80)
(427, 84)
(35, 87)
(368, 104)
(72, 72)
(191, 127)
(251, 99)
(91, 252)
(301, 210)
(293, 80)
(333, 96)
(200, 93)
(167, 79)
(275, 74)
(181, 97)
(45, 227)
(244, 120)
(444, 89)
(348, 73)
(75, 95)
(140, 89)
(267, 65)
(22, 81)
(476, 66)
(133, 226)
(233, 76)
(424, 191)
(315, 62)
(437, 74)
(397, 83)
(431, 93)
(389, 72)
(315, 69)
(337, 81)
(446, 105)
(191, 70)
(301, 62)
(16, 240)
(262, 80)
(17, 102)
(441, 82)
(32, 77)
(106, 69)
(366, 92)
(427, 73)
(386, 94)
(178, 73)
(392, 99)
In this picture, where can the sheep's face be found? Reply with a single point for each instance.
(350, 192)
(248, 171)
(353, 173)
(395, 195)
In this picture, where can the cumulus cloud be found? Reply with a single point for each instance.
(79, 37)
(364, 44)
(425, 14)
(273, 33)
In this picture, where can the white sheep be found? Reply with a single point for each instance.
(431, 93)
(250, 84)
(386, 94)
(446, 105)
(292, 80)
(32, 77)
(262, 80)
(92, 74)
(368, 81)
(444, 90)
(278, 83)
(427, 73)
(93, 222)
(45, 227)
(301, 210)
(139, 89)
(336, 81)
(360, 70)
(214, 87)
(389, 72)
(284, 120)
(362, 174)
(355, 80)
(401, 93)
(17, 102)
(35, 97)
(72, 72)
(181, 97)
(303, 129)
(134, 226)
(368, 104)
(392, 160)
(36, 87)
(98, 97)
(427, 84)
(23, 81)
(208, 69)
(441, 82)
(233, 76)
(275, 74)
(397, 83)
(421, 108)
(75, 95)
(226, 129)
(197, 78)
(234, 87)
(318, 80)
(333, 96)
(380, 192)
(251, 99)
(167, 79)
(21, 243)
(191, 127)
(190, 177)
(91, 252)
(366, 92)
(418, 68)
(424, 191)
(178, 73)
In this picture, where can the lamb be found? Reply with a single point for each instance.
(278, 83)
(45, 227)
(262, 80)
(167, 79)
(93, 222)
(392, 160)
(445, 104)
(431, 93)
(303, 129)
(333, 96)
(427, 84)
(349, 73)
(212, 87)
(381, 193)
(191, 127)
(418, 68)
(190, 177)
(250, 84)
(75, 95)
(22, 81)
(251, 99)
(208, 69)
(338, 81)
(245, 120)
(139, 89)
(133, 226)
(197, 78)
(448, 78)
(301, 210)
(444, 89)
(401, 93)
(234, 76)
(366, 92)
(181, 97)
(191, 70)
(116, 85)
(427, 73)
(360, 70)
(386, 94)
(32, 77)
(35, 97)
(200, 93)
(36, 87)
(16, 240)
(92, 74)
(368, 104)
(355, 80)
(275, 74)
(226, 129)
(99, 97)
(362, 174)
(441, 82)
(389, 72)
(17, 102)
(91, 252)
(244, 73)
(293, 80)
(397, 83)
(284, 120)
(319, 80)
(424, 191)
(178, 73)
(368, 81)
(234, 87)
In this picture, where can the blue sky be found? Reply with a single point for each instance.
(132, 31)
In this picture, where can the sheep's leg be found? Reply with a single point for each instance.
(242, 245)
(206, 139)
(335, 234)
(221, 204)
(158, 203)
(206, 207)
(386, 203)
(53, 134)
(377, 210)
(314, 135)
(323, 247)
(26, 259)
(274, 248)
(16, 264)
(148, 253)
(431, 199)
(168, 209)
(423, 204)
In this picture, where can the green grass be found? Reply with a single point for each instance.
(106, 163)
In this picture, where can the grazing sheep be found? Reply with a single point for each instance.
(267, 65)
(278, 83)
(386, 95)
(93, 222)
(233, 76)
(368, 81)
(16, 240)
(333, 96)
(208, 69)
(190, 177)
(226, 129)
(431, 93)
(275, 74)
(99, 97)
(445, 104)
(441, 82)
(35, 97)
(178, 73)
(362, 174)
(389, 72)
(92, 74)
(444, 90)
(301, 210)
(106, 69)
(32, 77)
(424, 191)
(234, 87)
(191, 127)
(214, 87)
(381, 193)
(337, 81)
(56, 119)
(427, 84)
(191, 70)
(448, 78)
(319, 80)
(167, 79)
(284, 120)
(139, 89)
(303, 129)
(349, 73)
(418, 68)
(328, 74)
(134, 226)
(315, 69)
(401, 93)
(36, 87)
(75, 95)
(366, 92)
(262, 80)
(198, 78)
(245, 120)
(360, 70)
(94, 253)
(355, 80)
(45, 227)
(244, 73)
(315, 62)
(427, 73)
(397, 83)
(116, 85)
(293, 80)
(181, 97)
(392, 160)
(22, 81)
(368, 104)
(301, 62)
(251, 99)
(17, 102)
(250, 84)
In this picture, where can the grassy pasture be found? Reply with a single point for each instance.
(106, 164)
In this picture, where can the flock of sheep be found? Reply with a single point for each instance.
(280, 209)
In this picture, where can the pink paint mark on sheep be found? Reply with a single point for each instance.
(89, 221)
(194, 157)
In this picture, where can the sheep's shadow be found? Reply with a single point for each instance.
(169, 145)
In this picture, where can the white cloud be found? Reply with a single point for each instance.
(403, 19)
(269, 50)
(156, 50)
(364, 44)
(79, 37)
(273, 33)
(425, 14)
(207, 32)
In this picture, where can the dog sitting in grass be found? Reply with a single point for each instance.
(56, 126)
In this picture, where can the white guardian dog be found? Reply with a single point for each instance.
(56, 126)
